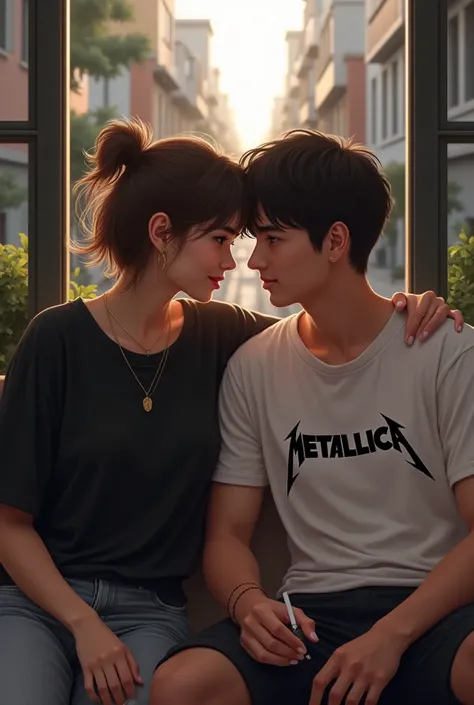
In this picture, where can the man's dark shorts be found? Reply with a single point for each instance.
(422, 679)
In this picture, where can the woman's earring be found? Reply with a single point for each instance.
(162, 259)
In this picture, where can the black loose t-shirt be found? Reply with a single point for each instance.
(116, 492)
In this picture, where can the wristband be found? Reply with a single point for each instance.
(235, 590)
(253, 587)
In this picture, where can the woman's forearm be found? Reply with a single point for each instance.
(26, 559)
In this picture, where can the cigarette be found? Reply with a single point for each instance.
(291, 615)
(289, 609)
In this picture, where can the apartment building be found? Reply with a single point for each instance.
(175, 89)
(340, 68)
(325, 81)
(385, 57)
(152, 89)
(290, 118)
(13, 106)
(306, 62)
(217, 118)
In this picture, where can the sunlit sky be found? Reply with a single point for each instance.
(249, 48)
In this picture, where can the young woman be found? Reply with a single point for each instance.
(108, 427)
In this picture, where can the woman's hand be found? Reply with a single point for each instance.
(110, 671)
(425, 314)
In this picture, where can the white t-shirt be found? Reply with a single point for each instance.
(361, 457)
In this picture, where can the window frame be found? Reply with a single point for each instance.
(7, 46)
(46, 132)
(25, 11)
(428, 133)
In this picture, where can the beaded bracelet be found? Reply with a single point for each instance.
(254, 587)
(235, 590)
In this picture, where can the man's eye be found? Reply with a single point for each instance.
(220, 239)
(272, 239)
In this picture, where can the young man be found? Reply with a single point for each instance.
(369, 452)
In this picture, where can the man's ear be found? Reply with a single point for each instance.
(338, 240)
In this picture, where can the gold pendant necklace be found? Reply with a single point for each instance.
(147, 401)
(147, 351)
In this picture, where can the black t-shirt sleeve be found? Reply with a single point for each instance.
(30, 416)
(246, 324)
(233, 325)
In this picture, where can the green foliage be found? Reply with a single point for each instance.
(94, 50)
(77, 290)
(102, 55)
(461, 276)
(11, 195)
(14, 296)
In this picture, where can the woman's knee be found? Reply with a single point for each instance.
(198, 677)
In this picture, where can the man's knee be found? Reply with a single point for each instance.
(462, 672)
(198, 677)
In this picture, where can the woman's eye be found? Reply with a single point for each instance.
(220, 239)
(272, 239)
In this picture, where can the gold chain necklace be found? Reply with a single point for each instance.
(147, 351)
(147, 400)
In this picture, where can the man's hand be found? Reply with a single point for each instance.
(265, 636)
(425, 313)
(361, 667)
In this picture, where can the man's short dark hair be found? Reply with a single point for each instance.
(310, 180)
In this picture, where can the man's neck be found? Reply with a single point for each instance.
(340, 323)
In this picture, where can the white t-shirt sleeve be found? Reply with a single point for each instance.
(456, 417)
(241, 460)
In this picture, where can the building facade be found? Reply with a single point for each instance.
(13, 106)
(386, 97)
(175, 89)
(325, 81)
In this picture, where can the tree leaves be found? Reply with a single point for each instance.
(14, 296)
(461, 276)
(95, 49)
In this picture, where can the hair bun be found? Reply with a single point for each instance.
(122, 143)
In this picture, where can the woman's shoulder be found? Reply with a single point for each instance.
(51, 323)
(222, 312)
(227, 324)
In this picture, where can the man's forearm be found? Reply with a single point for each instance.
(227, 563)
(449, 586)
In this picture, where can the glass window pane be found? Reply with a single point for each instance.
(461, 61)
(385, 104)
(461, 228)
(395, 98)
(14, 59)
(385, 66)
(386, 272)
(469, 52)
(13, 247)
